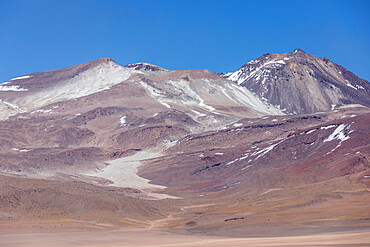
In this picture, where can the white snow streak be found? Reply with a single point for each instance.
(350, 85)
(311, 131)
(122, 121)
(21, 77)
(328, 127)
(12, 88)
(42, 111)
(338, 134)
(155, 93)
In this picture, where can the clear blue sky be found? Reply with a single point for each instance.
(220, 36)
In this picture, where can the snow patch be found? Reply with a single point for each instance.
(199, 114)
(42, 111)
(93, 80)
(256, 72)
(258, 152)
(328, 127)
(350, 85)
(267, 149)
(233, 161)
(12, 88)
(21, 150)
(21, 77)
(155, 93)
(338, 134)
(122, 121)
(255, 61)
(345, 116)
(311, 131)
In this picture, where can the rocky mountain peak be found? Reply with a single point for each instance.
(298, 82)
(326, 60)
(104, 60)
(299, 51)
(145, 67)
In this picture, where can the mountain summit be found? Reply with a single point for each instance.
(145, 67)
(298, 82)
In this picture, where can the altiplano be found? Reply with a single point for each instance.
(184, 123)
(185, 152)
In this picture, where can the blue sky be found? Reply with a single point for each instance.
(220, 36)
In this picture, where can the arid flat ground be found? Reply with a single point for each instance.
(151, 238)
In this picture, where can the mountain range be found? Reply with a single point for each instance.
(278, 147)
